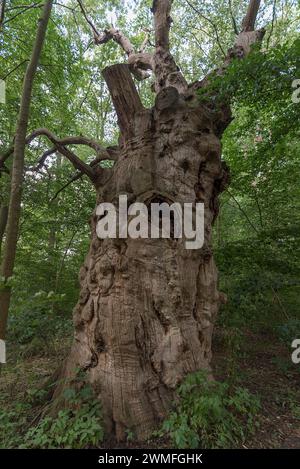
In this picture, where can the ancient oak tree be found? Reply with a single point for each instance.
(147, 307)
(145, 315)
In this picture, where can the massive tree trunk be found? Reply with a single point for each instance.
(145, 315)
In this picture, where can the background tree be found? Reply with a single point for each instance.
(14, 210)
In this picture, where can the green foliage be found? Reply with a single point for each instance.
(295, 408)
(11, 423)
(77, 426)
(289, 331)
(210, 414)
(257, 237)
(36, 325)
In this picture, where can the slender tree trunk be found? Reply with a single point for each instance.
(18, 168)
(2, 12)
(3, 222)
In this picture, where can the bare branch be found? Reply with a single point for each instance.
(24, 10)
(118, 37)
(77, 162)
(76, 140)
(14, 69)
(235, 28)
(139, 62)
(42, 159)
(19, 7)
(95, 31)
(60, 146)
(64, 6)
(73, 179)
(210, 22)
(146, 41)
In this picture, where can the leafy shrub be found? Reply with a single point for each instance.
(295, 409)
(78, 426)
(11, 421)
(289, 331)
(210, 415)
(35, 324)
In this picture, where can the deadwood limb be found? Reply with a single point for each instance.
(124, 95)
(139, 62)
(60, 146)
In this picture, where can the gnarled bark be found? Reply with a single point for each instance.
(147, 307)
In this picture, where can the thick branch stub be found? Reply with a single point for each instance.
(124, 95)
(139, 62)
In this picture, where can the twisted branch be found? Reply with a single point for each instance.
(60, 146)
(139, 62)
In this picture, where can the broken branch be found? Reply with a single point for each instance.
(139, 62)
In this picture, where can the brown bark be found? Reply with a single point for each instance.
(125, 97)
(147, 307)
(2, 12)
(251, 15)
(166, 71)
(3, 222)
(139, 62)
(18, 168)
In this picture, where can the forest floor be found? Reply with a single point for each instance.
(262, 364)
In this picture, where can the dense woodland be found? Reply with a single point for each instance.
(254, 399)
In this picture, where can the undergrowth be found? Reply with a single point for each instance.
(211, 414)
